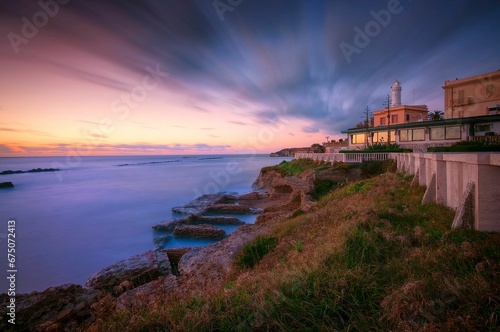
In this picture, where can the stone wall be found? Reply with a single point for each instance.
(446, 176)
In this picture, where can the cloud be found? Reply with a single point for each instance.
(310, 130)
(239, 123)
(29, 131)
(64, 149)
(267, 61)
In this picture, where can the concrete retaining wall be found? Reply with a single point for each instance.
(446, 176)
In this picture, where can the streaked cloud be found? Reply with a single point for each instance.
(28, 131)
(266, 64)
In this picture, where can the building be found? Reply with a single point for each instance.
(421, 135)
(476, 118)
(333, 147)
(472, 96)
(400, 114)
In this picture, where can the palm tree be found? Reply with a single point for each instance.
(435, 116)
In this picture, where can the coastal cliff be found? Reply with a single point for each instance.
(325, 241)
(290, 152)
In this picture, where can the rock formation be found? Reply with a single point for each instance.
(202, 231)
(6, 185)
(141, 278)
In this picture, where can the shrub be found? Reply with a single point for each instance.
(380, 147)
(467, 146)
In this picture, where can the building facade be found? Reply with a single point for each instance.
(472, 96)
(421, 135)
(400, 114)
(472, 112)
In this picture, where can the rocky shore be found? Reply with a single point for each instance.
(146, 276)
(34, 170)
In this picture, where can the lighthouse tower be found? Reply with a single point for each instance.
(396, 93)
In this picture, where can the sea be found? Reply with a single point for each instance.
(96, 211)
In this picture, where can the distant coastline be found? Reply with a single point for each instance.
(34, 170)
(290, 152)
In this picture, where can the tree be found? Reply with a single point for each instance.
(318, 148)
(360, 125)
(435, 116)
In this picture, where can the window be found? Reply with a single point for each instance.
(394, 118)
(441, 133)
(407, 135)
(483, 127)
(404, 135)
(382, 121)
(490, 90)
(461, 97)
(358, 139)
(381, 136)
(407, 117)
(419, 134)
(437, 133)
(452, 132)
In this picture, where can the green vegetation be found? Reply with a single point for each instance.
(297, 166)
(381, 148)
(294, 167)
(467, 147)
(253, 252)
(369, 257)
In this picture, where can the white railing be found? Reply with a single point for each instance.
(343, 157)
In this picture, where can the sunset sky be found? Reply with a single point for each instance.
(224, 76)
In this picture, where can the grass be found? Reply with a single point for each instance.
(253, 252)
(368, 257)
(294, 167)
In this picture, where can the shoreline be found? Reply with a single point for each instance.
(99, 197)
(191, 269)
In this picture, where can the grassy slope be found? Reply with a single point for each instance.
(369, 257)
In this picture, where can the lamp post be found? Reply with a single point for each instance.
(366, 113)
(388, 103)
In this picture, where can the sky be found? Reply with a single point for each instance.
(223, 76)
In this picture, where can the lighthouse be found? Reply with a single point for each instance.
(396, 93)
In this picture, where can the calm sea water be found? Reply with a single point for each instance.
(99, 210)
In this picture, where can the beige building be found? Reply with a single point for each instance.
(472, 113)
(472, 96)
(401, 114)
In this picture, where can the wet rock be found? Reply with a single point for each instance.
(163, 262)
(199, 231)
(160, 241)
(6, 185)
(216, 220)
(170, 225)
(167, 226)
(199, 205)
(138, 269)
(230, 208)
(56, 308)
(250, 196)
